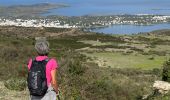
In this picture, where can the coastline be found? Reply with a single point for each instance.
(35, 9)
(138, 23)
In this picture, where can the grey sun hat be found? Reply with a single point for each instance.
(41, 45)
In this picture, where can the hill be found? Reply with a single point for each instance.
(35, 9)
(92, 66)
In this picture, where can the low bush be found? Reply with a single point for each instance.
(15, 84)
(76, 68)
(159, 53)
(166, 71)
(9, 53)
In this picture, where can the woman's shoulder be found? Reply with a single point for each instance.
(52, 59)
(52, 63)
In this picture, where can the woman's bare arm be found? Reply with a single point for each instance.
(54, 80)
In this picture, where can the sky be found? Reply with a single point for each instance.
(104, 2)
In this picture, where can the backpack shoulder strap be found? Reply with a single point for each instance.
(33, 59)
(47, 59)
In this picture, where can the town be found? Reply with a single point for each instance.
(86, 22)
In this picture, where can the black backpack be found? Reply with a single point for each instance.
(37, 82)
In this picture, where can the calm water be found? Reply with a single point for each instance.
(107, 7)
(131, 29)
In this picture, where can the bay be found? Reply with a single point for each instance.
(131, 29)
(107, 7)
(112, 7)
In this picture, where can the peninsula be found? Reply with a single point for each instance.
(35, 9)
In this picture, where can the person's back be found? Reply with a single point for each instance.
(50, 69)
(37, 81)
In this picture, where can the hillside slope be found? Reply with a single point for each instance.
(92, 66)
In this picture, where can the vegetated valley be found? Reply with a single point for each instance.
(92, 66)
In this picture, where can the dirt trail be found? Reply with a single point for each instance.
(6, 94)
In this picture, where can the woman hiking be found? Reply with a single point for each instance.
(42, 71)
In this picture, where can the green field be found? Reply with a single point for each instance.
(119, 60)
(136, 51)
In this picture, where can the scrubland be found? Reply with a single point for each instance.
(92, 66)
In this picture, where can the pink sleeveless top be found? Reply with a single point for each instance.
(51, 65)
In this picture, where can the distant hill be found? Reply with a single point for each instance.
(20, 10)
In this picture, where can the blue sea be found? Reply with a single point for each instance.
(102, 7)
(106, 7)
(131, 29)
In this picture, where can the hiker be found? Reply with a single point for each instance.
(42, 82)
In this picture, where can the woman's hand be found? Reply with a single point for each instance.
(54, 80)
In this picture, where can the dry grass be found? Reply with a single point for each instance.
(6, 94)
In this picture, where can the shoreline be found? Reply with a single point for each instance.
(28, 16)
(91, 23)
(34, 9)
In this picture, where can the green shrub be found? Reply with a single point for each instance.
(75, 95)
(156, 71)
(16, 43)
(159, 53)
(166, 71)
(151, 58)
(18, 84)
(76, 68)
(9, 53)
(22, 71)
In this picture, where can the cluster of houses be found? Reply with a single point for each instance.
(85, 22)
(135, 20)
(34, 23)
